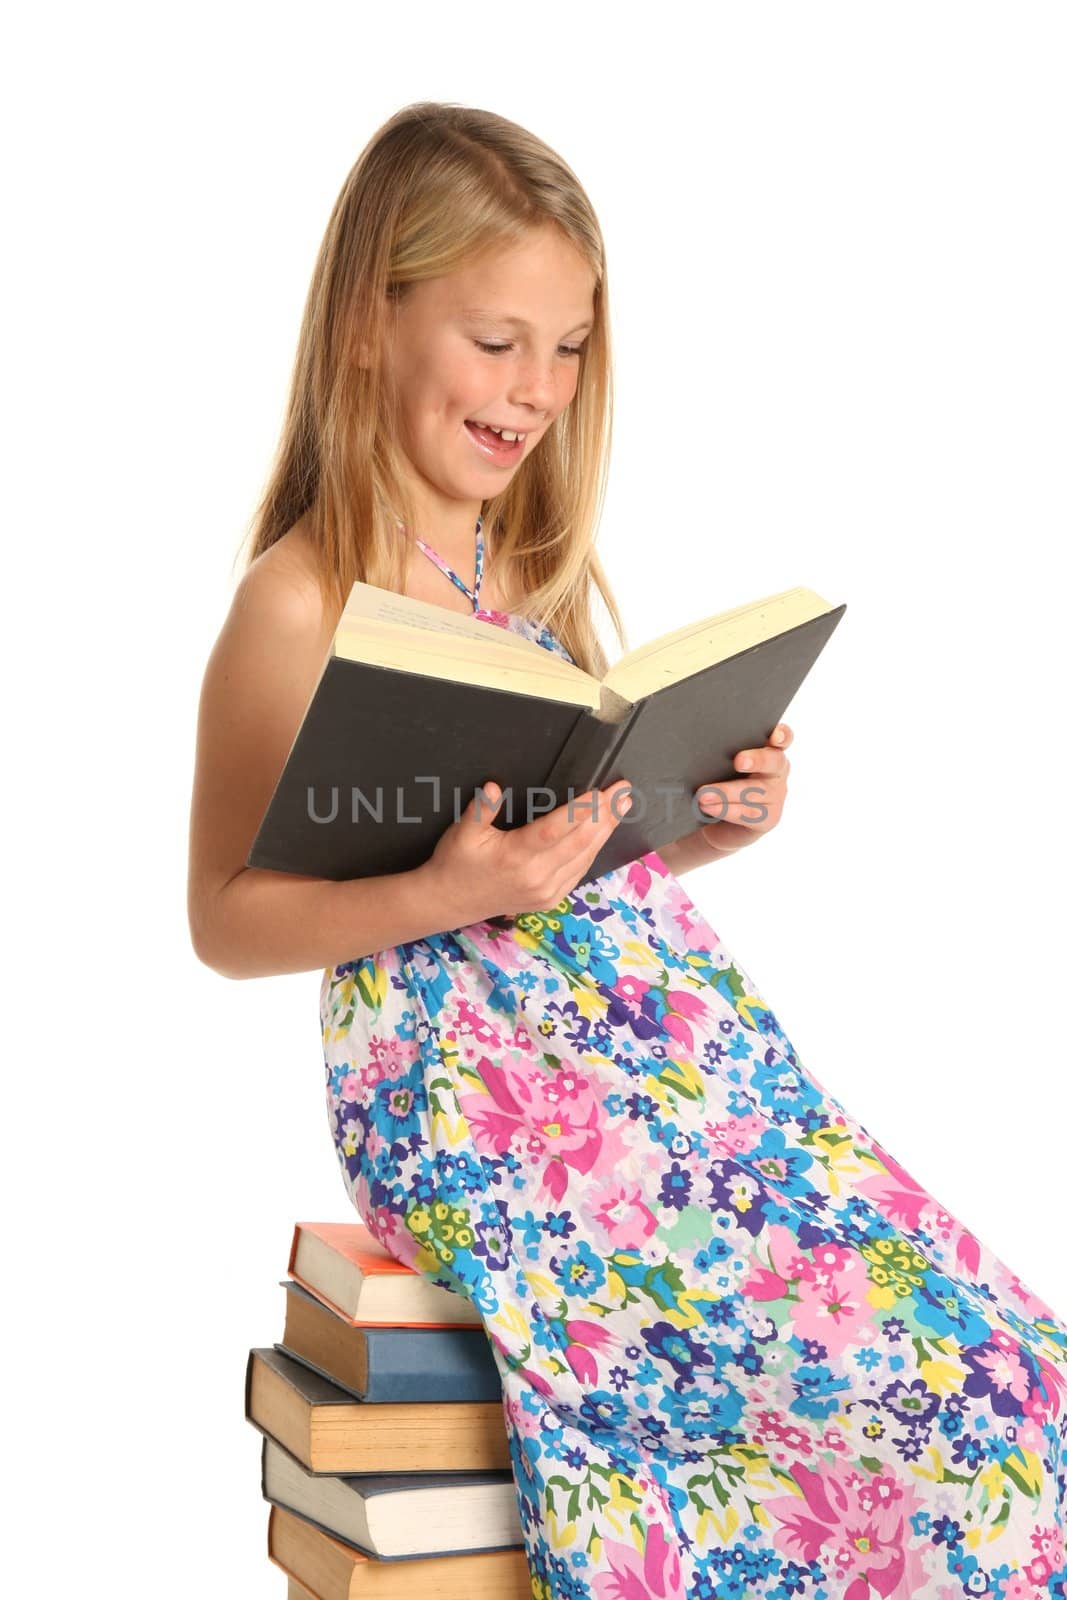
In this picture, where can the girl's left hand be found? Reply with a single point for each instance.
(746, 807)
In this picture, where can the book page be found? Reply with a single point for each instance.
(701, 644)
(382, 605)
(390, 630)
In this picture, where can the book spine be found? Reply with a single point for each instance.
(439, 1368)
(588, 753)
(248, 1385)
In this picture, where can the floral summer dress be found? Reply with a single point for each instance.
(743, 1351)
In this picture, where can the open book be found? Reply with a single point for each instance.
(418, 706)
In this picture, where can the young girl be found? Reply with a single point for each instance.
(743, 1351)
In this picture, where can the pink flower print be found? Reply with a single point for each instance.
(686, 916)
(391, 1232)
(585, 1338)
(1049, 1559)
(525, 1424)
(500, 619)
(1030, 1435)
(375, 1144)
(763, 1284)
(786, 1262)
(536, 1381)
(350, 1087)
(1020, 1588)
(903, 1199)
(833, 1307)
(786, 1256)
(997, 1371)
(638, 876)
(521, 1101)
(393, 1056)
(655, 1574)
(1039, 1572)
(1053, 1386)
(473, 1024)
(528, 1149)
(1052, 1383)
(629, 994)
(519, 1040)
(736, 1135)
(683, 1004)
(855, 1526)
(618, 1206)
(777, 1428)
(897, 1193)
(1049, 1543)
(567, 1084)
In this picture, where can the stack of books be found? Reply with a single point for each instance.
(385, 1458)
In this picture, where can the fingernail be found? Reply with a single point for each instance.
(624, 805)
(743, 764)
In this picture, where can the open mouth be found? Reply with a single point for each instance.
(492, 445)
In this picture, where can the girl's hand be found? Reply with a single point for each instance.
(479, 871)
(746, 807)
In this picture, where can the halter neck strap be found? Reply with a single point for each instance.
(479, 556)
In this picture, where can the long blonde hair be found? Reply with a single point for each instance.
(437, 184)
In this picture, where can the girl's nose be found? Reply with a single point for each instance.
(535, 387)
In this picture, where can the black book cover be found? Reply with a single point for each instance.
(385, 760)
(686, 737)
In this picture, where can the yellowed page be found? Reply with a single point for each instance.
(367, 602)
(688, 650)
(395, 631)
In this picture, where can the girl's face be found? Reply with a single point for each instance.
(497, 342)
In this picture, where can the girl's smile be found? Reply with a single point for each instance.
(501, 451)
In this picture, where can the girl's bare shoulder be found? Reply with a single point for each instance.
(284, 581)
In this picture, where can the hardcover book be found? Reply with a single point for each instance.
(345, 1267)
(327, 1430)
(417, 707)
(397, 1516)
(330, 1570)
(397, 1364)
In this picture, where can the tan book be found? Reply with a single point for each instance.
(297, 1591)
(328, 1430)
(330, 1570)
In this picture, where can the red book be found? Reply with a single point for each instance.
(344, 1266)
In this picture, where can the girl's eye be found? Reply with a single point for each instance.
(497, 349)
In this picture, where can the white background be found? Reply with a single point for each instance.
(836, 244)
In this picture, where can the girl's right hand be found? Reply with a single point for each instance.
(481, 871)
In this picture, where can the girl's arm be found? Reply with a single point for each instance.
(247, 922)
(683, 854)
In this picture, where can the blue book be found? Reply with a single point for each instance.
(389, 1365)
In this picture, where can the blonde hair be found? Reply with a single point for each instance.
(437, 184)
